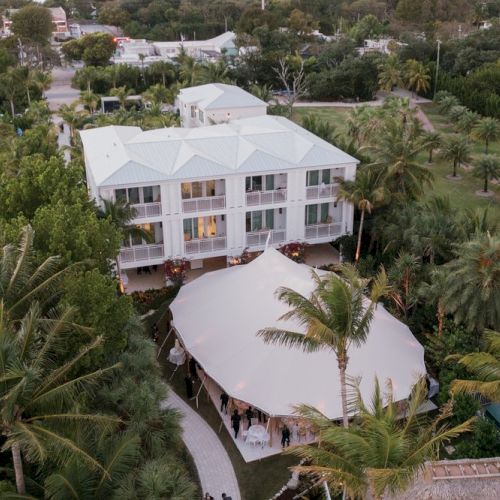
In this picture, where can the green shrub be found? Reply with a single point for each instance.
(146, 300)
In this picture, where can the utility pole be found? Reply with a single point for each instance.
(263, 5)
(437, 68)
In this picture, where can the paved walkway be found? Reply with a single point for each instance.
(215, 470)
(61, 92)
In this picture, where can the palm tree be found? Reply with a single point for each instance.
(487, 130)
(487, 167)
(365, 193)
(417, 76)
(9, 84)
(217, 72)
(467, 122)
(263, 92)
(157, 94)
(335, 317)
(86, 76)
(396, 151)
(473, 283)
(120, 213)
(432, 140)
(383, 449)
(39, 386)
(456, 112)
(90, 100)
(446, 103)
(164, 69)
(433, 292)
(457, 149)
(189, 70)
(485, 366)
(71, 116)
(390, 74)
(321, 128)
(121, 93)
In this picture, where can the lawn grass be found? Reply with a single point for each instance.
(462, 193)
(257, 480)
(335, 116)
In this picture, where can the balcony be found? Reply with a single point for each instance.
(322, 191)
(317, 231)
(144, 210)
(266, 197)
(193, 205)
(259, 238)
(205, 245)
(141, 253)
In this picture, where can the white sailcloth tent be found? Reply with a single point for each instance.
(217, 317)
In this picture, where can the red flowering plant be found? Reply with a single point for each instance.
(295, 251)
(237, 260)
(175, 270)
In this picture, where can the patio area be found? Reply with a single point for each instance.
(321, 255)
(252, 452)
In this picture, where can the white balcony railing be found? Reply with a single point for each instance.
(147, 210)
(193, 205)
(316, 231)
(266, 197)
(205, 245)
(259, 238)
(324, 191)
(141, 253)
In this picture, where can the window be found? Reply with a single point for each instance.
(193, 112)
(325, 176)
(196, 190)
(148, 194)
(133, 196)
(312, 178)
(190, 229)
(324, 213)
(201, 117)
(121, 195)
(269, 182)
(254, 183)
(210, 186)
(186, 190)
(269, 219)
(311, 214)
(259, 220)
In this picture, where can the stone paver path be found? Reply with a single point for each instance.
(215, 470)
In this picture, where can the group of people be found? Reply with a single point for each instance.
(146, 269)
(210, 497)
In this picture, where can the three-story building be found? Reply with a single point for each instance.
(214, 191)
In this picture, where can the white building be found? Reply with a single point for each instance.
(216, 103)
(128, 50)
(214, 191)
(199, 49)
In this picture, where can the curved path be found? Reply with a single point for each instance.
(215, 470)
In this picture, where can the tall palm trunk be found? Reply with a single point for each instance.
(360, 232)
(486, 183)
(12, 109)
(440, 317)
(486, 146)
(455, 168)
(18, 468)
(342, 364)
(28, 95)
(430, 156)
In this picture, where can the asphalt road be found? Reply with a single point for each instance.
(60, 91)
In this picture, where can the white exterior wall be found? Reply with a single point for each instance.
(172, 216)
(214, 116)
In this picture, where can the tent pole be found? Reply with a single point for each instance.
(163, 343)
(199, 390)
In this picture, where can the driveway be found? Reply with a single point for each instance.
(60, 92)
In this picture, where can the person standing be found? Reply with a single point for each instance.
(285, 436)
(224, 400)
(249, 414)
(235, 423)
(189, 386)
(225, 497)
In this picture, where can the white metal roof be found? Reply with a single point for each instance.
(218, 315)
(224, 40)
(214, 96)
(119, 155)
